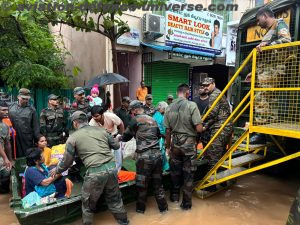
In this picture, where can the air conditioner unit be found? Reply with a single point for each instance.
(153, 26)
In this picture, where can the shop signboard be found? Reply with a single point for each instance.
(197, 30)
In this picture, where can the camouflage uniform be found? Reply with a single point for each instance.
(4, 173)
(182, 116)
(215, 120)
(149, 110)
(294, 216)
(53, 125)
(148, 160)
(77, 106)
(268, 75)
(93, 146)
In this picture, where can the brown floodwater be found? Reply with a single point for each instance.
(256, 199)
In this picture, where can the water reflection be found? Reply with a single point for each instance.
(254, 200)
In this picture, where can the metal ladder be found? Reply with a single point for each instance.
(229, 167)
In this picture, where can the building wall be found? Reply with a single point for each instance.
(244, 5)
(87, 51)
(135, 71)
(92, 51)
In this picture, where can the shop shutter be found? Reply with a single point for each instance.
(165, 77)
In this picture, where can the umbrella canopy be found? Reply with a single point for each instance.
(105, 79)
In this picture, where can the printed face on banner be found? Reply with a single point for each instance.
(198, 30)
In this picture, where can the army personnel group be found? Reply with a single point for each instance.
(174, 131)
(96, 131)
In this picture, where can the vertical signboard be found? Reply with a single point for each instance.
(231, 45)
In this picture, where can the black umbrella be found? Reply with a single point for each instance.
(105, 79)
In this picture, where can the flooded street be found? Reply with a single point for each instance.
(256, 199)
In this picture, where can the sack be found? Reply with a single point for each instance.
(30, 200)
(128, 149)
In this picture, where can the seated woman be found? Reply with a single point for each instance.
(52, 156)
(46, 152)
(37, 176)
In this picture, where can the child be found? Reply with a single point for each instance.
(94, 98)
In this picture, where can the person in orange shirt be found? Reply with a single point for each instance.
(142, 92)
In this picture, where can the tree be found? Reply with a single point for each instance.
(102, 20)
(29, 56)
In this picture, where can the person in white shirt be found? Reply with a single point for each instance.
(113, 125)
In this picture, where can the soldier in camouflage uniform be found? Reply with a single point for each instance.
(149, 108)
(294, 216)
(215, 120)
(5, 150)
(148, 156)
(182, 121)
(278, 30)
(80, 103)
(268, 75)
(53, 122)
(93, 144)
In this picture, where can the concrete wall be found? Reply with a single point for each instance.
(87, 51)
(135, 73)
(244, 5)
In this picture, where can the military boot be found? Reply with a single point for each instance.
(140, 207)
(174, 196)
(123, 221)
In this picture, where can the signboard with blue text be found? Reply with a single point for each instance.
(197, 30)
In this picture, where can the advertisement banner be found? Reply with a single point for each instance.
(256, 33)
(197, 30)
(231, 45)
(130, 38)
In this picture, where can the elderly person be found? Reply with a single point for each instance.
(37, 176)
(159, 118)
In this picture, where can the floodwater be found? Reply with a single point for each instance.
(256, 199)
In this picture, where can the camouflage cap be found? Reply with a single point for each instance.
(52, 97)
(148, 96)
(126, 99)
(170, 97)
(78, 115)
(135, 104)
(208, 80)
(24, 93)
(78, 90)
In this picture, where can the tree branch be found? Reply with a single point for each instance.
(98, 21)
(79, 26)
(20, 34)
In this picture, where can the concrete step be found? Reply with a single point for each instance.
(219, 187)
(227, 173)
(242, 160)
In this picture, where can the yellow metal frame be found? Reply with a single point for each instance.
(206, 182)
(274, 131)
(252, 88)
(228, 85)
(221, 161)
(224, 124)
(251, 170)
